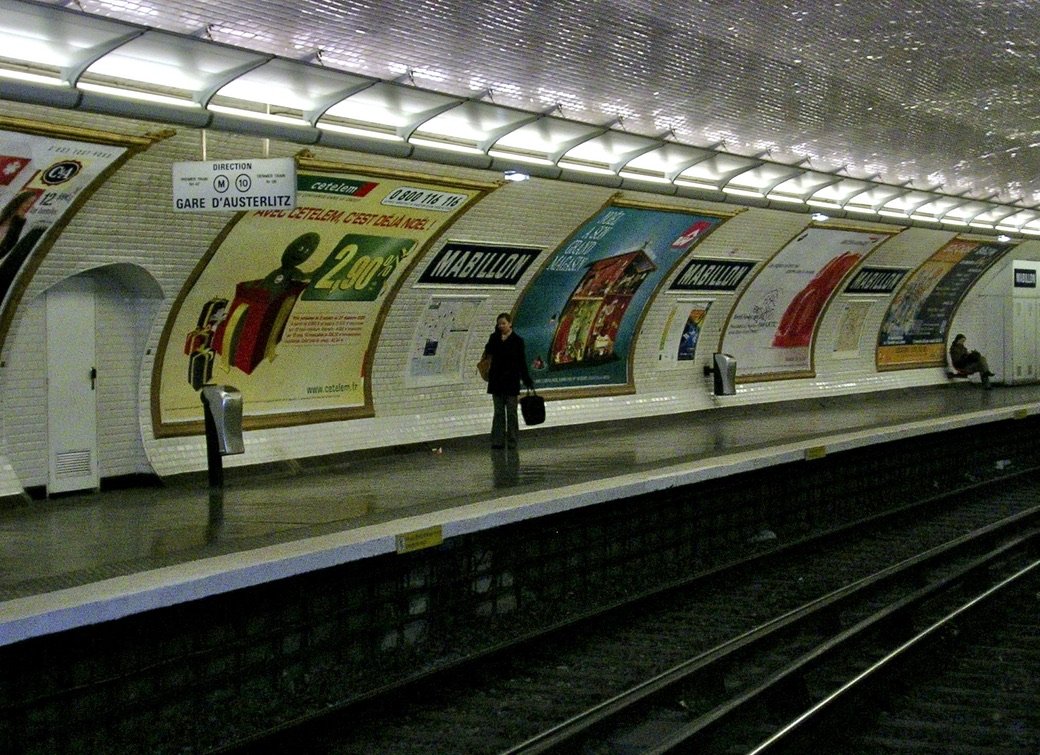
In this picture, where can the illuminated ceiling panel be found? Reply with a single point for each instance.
(664, 163)
(474, 124)
(802, 186)
(607, 152)
(390, 106)
(543, 140)
(714, 172)
(289, 84)
(171, 63)
(760, 180)
(33, 34)
(851, 89)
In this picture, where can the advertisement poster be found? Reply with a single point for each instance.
(850, 329)
(440, 340)
(682, 332)
(771, 330)
(579, 315)
(41, 178)
(913, 331)
(285, 307)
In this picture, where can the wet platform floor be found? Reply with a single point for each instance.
(122, 551)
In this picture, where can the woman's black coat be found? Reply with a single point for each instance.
(508, 365)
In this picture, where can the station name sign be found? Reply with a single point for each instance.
(711, 275)
(479, 264)
(875, 280)
(1025, 278)
(222, 185)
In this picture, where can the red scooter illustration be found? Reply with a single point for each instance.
(799, 320)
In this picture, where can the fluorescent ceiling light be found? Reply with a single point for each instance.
(952, 221)
(419, 141)
(742, 192)
(1003, 239)
(520, 157)
(385, 136)
(987, 226)
(893, 214)
(785, 198)
(644, 177)
(257, 115)
(819, 217)
(585, 168)
(133, 94)
(32, 78)
(515, 176)
(125, 67)
(863, 209)
(821, 203)
(695, 184)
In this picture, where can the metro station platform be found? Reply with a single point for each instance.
(84, 559)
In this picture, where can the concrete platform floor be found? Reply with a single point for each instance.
(108, 554)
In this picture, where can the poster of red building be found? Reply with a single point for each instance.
(580, 315)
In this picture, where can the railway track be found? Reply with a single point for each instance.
(647, 673)
(799, 664)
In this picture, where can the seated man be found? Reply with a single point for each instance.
(969, 362)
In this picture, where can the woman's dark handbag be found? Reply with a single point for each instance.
(532, 407)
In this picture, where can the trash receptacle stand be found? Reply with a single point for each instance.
(214, 461)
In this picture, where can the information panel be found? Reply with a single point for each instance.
(242, 184)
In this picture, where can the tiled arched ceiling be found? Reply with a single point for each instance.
(939, 92)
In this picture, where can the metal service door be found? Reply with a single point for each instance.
(71, 387)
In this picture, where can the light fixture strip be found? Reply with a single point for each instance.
(71, 76)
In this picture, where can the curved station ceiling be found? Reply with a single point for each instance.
(917, 112)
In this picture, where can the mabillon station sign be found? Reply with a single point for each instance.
(479, 264)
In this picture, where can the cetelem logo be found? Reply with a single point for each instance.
(61, 172)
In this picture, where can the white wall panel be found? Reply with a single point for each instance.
(129, 220)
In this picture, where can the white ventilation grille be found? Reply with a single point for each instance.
(72, 464)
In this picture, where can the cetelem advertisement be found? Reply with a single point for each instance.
(579, 316)
(287, 305)
(913, 332)
(41, 179)
(771, 330)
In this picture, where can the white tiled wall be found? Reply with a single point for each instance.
(129, 221)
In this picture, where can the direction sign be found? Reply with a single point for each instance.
(243, 184)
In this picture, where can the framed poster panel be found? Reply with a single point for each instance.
(580, 315)
(682, 332)
(771, 330)
(914, 329)
(287, 304)
(46, 173)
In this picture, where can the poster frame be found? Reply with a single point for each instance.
(132, 144)
(890, 231)
(619, 200)
(304, 162)
(941, 361)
